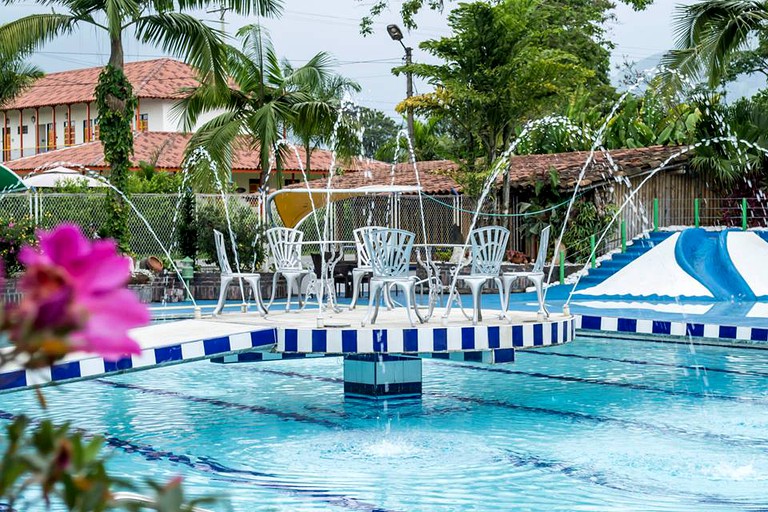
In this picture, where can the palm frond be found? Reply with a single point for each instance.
(186, 37)
(25, 34)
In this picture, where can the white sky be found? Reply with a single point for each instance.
(309, 26)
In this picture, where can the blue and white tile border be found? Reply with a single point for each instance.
(92, 367)
(668, 328)
(425, 339)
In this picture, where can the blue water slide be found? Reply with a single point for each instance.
(704, 256)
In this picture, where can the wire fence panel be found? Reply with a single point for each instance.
(16, 206)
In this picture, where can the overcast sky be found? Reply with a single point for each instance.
(309, 26)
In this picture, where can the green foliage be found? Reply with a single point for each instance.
(15, 76)
(505, 63)
(69, 469)
(548, 205)
(116, 104)
(249, 234)
(378, 129)
(15, 232)
(265, 97)
(186, 231)
(149, 181)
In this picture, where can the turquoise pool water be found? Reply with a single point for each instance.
(592, 425)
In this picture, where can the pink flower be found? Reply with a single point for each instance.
(76, 287)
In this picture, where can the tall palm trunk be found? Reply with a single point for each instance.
(116, 104)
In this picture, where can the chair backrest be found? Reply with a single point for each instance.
(489, 245)
(285, 244)
(363, 257)
(538, 265)
(221, 252)
(389, 251)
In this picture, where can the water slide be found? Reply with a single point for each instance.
(705, 256)
(695, 263)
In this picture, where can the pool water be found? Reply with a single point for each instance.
(593, 425)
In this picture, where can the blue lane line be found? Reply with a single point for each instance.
(223, 403)
(626, 385)
(572, 415)
(697, 368)
(223, 472)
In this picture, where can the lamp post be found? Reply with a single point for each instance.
(397, 35)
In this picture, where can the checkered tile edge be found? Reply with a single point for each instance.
(669, 328)
(150, 357)
(425, 339)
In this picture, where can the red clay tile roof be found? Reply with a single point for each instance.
(526, 170)
(158, 79)
(167, 148)
(380, 174)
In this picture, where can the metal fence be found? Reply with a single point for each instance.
(447, 219)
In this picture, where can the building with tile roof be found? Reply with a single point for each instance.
(59, 109)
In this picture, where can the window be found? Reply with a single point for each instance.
(69, 133)
(143, 122)
(24, 130)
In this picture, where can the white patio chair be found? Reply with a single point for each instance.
(536, 276)
(489, 245)
(390, 256)
(227, 276)
(285, 244)
(363, 268)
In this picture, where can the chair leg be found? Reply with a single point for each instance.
(300, 282)
(289, 279)
(388, 299)
(222, 294)
(501, 284)
(475, 287)
(507, 290)
(255, 283)
(373, 302)
(408, 288)
(274, 288)
(537, 283)
(357, 276)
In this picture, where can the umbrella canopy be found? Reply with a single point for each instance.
(57, 176)
(294, 204)
(10, 181)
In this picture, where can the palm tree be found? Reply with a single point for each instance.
(315, 120)
(264, 100)
(710, 32)
(15, 76)
(162, 23)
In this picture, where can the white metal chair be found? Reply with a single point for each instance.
(285, 244)
(536, 276)
(489, 245)
(390, 256)
(363, 268)
(227, 276)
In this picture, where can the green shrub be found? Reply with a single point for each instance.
(14, 233)
(247, 228)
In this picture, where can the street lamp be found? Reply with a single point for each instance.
(397, 35)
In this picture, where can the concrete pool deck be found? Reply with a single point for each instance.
(284, 335)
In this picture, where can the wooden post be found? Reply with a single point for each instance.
(55, 142)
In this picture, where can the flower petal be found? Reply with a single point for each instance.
(63, 244)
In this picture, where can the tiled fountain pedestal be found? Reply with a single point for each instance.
(381, 376)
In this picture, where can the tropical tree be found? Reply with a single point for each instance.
(314, 123)
(377, 128)
(711, 32)
(15, 76)
(264, 100)
(430, 142)
(162, 23)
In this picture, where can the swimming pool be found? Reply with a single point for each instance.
(593, 425)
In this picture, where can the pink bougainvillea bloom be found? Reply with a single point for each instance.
(81, 284)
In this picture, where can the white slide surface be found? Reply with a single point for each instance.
(654, 273)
